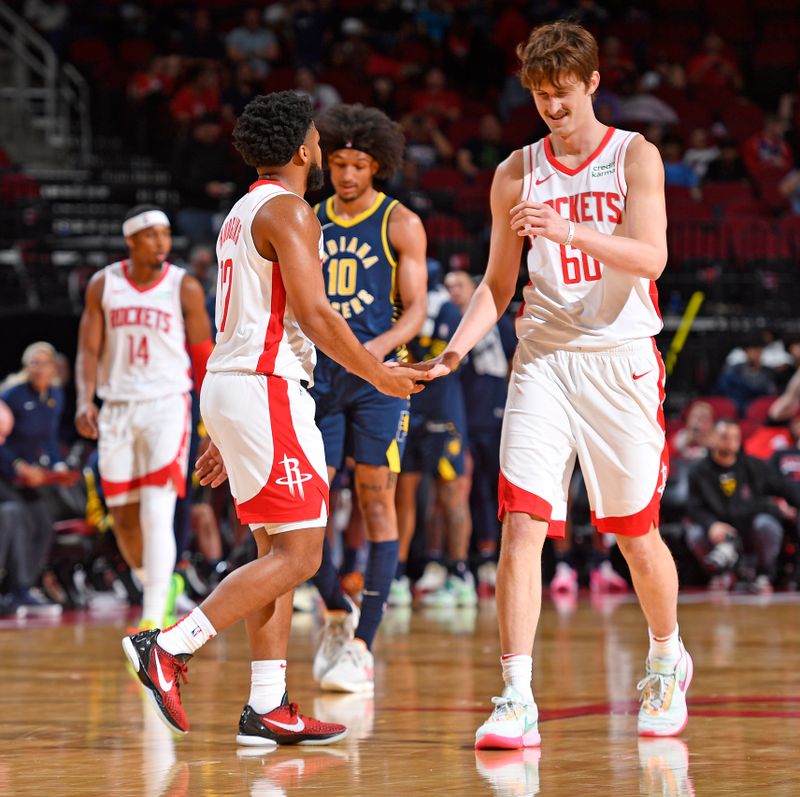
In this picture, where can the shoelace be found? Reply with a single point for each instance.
(653, 688)
(181, 670)
(503, 706)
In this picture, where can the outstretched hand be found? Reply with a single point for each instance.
(210, 468)
(401, 380)
(440, 366)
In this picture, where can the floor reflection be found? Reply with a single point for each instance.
(510, 773)
(664, 768)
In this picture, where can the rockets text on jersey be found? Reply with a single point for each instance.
(572, 300)
(144, 347)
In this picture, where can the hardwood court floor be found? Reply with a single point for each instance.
(72, 721)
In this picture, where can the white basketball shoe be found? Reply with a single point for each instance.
(512, 725)
(663, 711)
(339, 629)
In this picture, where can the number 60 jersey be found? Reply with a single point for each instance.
(144, 350)
(257, 331)
(572, 300)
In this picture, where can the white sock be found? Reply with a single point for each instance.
(518, 672)
(267, 684)
(156, 514)
(666, 648)
(187, 635)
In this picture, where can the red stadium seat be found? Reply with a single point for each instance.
(758, 409)
(723, 407)
(441, 179)
(441, 227)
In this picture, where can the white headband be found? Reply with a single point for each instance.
(148, 218)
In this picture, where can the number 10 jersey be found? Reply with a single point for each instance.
(573, 301)
(144, 347)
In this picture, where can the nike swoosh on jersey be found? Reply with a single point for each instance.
(544, 179)
(295, 726)
(162, 681)
(639, 376)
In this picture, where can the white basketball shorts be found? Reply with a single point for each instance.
(273, 452)
(143, 443)
(603, 407)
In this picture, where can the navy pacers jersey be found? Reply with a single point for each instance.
(359, 266)
(359, 269)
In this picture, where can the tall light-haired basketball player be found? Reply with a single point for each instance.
(587, 379)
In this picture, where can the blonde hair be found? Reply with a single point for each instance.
(20, 377)
(555, 51)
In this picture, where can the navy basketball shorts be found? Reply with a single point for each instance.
(435, 447)
(357, 420)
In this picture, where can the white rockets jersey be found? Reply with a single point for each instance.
(144, 347)
(257, 330)
(573, 301)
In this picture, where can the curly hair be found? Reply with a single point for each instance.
(365, 129)
(272, 127)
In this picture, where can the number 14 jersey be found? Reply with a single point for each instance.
(573, 301)
(144, 347)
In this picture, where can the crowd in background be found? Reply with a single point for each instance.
(715, 91)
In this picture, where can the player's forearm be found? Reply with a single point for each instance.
(638, 258)
(331, 334)
(404, 329)
(85, 377)
(488, 303)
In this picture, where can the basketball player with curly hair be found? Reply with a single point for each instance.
(376, 277)
(271, 311)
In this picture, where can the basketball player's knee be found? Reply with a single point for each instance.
(641, 553)
(307, 568)
(375, 511)
(520, 529)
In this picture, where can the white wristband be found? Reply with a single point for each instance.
(570, 234)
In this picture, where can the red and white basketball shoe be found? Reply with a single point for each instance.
(285, 725)
(160, 673)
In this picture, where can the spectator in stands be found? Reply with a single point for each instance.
(616, 65)
(485, 151)
(713, 68)
(201, 41)
(700, 152)
(731, 507)
(198, 97)
(310, 25)
(436, 102)
(323, 96)
(787, 405)
(728, 167)
(202, 265)
(239, 93)
(692, 441)
(638, 107)
(384, 96)
(766, 152)
(253, 43)
(29, 457)
(484, 380)
(678, 173)
(203, 169)
(747, 380)
(664, 75)
(426, 144)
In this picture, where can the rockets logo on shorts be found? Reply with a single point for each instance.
(294, 478)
